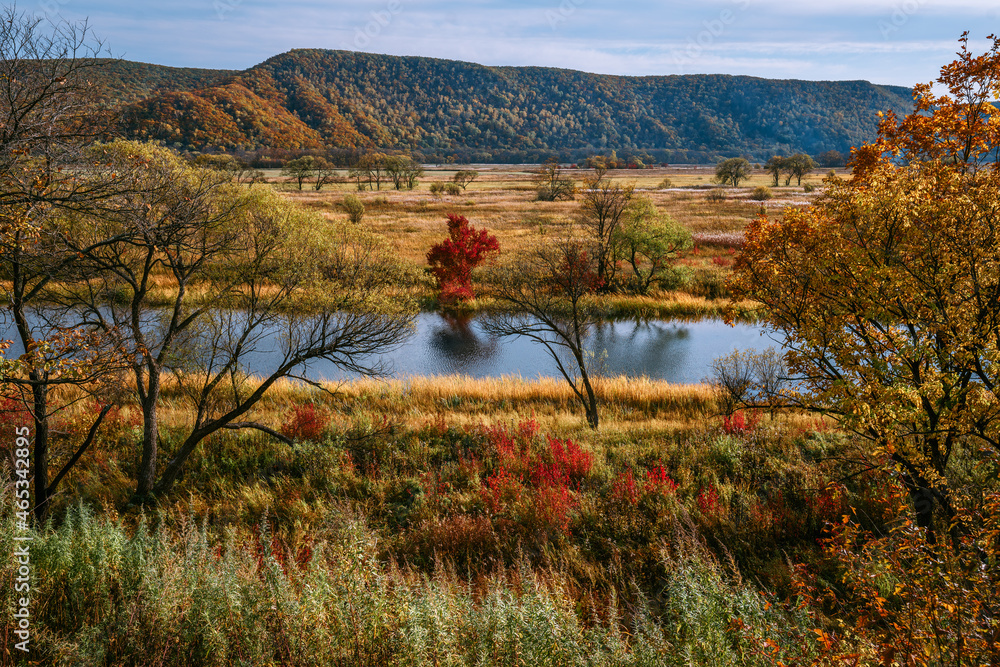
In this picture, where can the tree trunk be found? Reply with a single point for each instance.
(41, 449)
(591, 404)
(150, 437)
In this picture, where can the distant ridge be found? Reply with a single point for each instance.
(312, 99)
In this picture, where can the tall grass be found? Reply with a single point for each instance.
(106, 595)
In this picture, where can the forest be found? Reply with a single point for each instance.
(440, 110)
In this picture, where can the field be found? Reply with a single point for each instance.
(502, 199)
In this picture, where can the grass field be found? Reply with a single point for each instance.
(502, 200)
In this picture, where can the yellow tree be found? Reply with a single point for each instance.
(888, 293)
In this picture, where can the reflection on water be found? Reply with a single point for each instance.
(443, 345)
(669, 350)
(455, 338)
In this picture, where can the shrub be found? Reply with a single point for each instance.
(716, 195)
(453, 260)
(762, 193)
(305, 422)
(355, 209)
(808, 187)
(452, 189)
(665, 183)
(437, 188)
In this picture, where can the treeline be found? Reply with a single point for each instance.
(439, 110)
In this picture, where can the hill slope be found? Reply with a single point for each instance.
(317, 98)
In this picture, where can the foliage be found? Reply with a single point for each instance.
(886, 290)
(761, 193)
(648, 241)
(355, 208)
(308, 99)
(552, 185)
(464, 177)
(604, 210)
(453, 260)
(734, 171)
(403, 171)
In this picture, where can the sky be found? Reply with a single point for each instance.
(900, 42)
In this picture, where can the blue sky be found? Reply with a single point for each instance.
(896, 42)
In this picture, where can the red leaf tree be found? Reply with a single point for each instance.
(453, 260)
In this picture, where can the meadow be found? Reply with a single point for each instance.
(462, 521)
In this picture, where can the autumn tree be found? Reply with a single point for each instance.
(369, 171)
(888, 291)
(326, 174)
(545, 295)
(453, 260)
(775, 165)
(648, 241)
(734, 171)
(799, 165)
(403, 171)
(196, 276)
(49, 111)
(464, 177)
(552, 185)
(300, 169)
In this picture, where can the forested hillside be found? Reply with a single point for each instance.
(438, 108)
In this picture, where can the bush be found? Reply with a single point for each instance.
(808, 187)
(762, 193)
(716, 195)
(452, 189)
(355, 209)
(665, 183)
(437, 188)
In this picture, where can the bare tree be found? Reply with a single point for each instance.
(552, 185)
(326, 173)
(603, 210)
(229, 264)
(48, 110)
(545, 295)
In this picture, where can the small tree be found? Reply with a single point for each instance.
(464, 177)
(648, 241)
(403, 171)
(799, 165)
(603, 209)
(734, 170)
(326, 173)
(453, 260)
(300, 169)
(552, 186)
(775, 166)
(546, 297)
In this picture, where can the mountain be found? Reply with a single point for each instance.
(312, 99)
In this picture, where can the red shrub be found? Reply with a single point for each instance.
(624, 489)
(305, 422)
(658, 480)
(738, 423)
(453, 260)
(708, 501)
